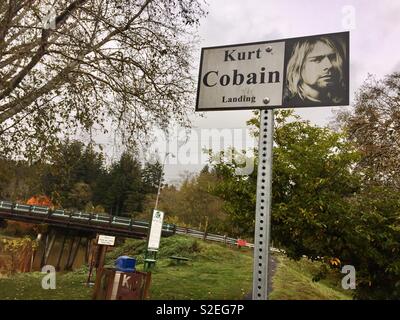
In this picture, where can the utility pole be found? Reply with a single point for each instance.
(160, 180)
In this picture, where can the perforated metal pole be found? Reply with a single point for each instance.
(263, 206)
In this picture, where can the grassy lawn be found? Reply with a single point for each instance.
(27, 286)
(214, 271)
(227, 277)
(293, 281)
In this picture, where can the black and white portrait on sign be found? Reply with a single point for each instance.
(317, 71)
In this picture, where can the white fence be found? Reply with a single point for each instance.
(215, 237)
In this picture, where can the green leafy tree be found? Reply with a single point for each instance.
(19, 180)
(80, 195)
(152, 174)
(312, 180)
(311, 165)
(372, 242)
(322, 207)
(192, 204)
(125, 191)
(71, 166)
(238, 193)
(373, 125)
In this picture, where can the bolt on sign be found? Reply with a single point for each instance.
(297, 72)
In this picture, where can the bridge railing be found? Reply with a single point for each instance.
(210, 236)
(79, 216)
(115, 221)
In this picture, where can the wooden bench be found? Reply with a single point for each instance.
(179, 259)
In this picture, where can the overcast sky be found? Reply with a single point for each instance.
(374, 44)
(374, 36)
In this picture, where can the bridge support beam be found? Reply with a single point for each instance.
(46, 243)
(73, 253)
(50, 247)
(72, 241)
(61, 251)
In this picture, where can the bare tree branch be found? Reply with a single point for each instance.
(123, 60)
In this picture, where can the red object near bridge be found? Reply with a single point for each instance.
(241, 243)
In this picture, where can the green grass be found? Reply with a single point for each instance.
(214, 271)
(228, 278)
(293, 281)
(28, 286)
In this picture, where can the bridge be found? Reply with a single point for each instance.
(81, 221)
(72, 227)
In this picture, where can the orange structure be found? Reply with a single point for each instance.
(40, 200)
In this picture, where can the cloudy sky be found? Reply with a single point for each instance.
(374, 48)
(374, 33)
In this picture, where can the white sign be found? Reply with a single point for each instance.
(155, 230)
(106, 240)
(297, 72)
(241, 76)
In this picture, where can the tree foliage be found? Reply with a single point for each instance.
(76, 177)
(83, 64)
(322, 206)
(371, 242)
(374, 127)
(312, 179)
(152, 176)
(238, 193)
(124, 192)
(72, 174)
(194, 205)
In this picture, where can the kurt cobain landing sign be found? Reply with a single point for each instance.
(297, 72)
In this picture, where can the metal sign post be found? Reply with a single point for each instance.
(263, 206)
(272, 74)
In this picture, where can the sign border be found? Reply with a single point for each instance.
(283, 106)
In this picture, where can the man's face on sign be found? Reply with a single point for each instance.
(320, 67)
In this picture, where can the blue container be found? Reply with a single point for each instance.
(125, 264)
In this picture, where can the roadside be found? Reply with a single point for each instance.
(293, 280)
(273, 263)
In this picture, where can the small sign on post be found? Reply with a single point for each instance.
(106, 240)
(155, 230)
(154, 239)
(102, 242)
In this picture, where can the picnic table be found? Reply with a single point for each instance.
(179, 259)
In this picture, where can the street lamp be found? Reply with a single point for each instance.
(161, 174)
